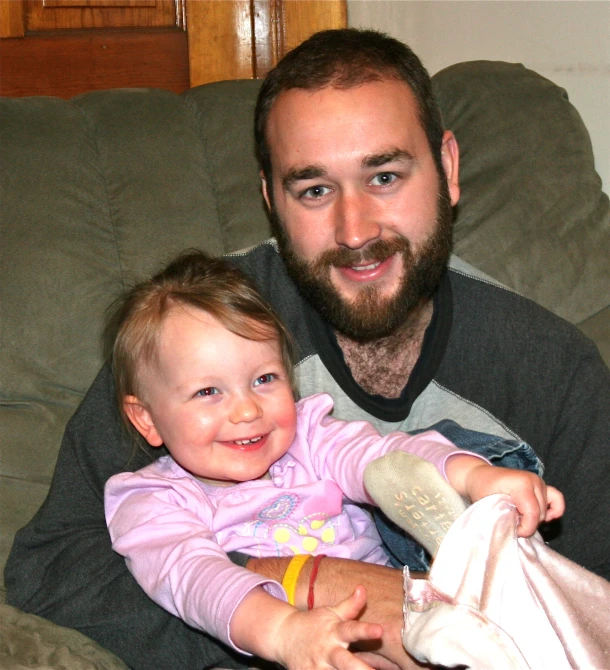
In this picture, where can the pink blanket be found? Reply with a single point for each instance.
(496, 601)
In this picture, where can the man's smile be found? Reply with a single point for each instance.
(368, 271)
(363, 268)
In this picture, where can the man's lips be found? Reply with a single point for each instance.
(366, 272)
(247, 444)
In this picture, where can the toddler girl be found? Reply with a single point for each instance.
(203, 368)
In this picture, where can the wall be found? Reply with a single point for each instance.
(567, 42)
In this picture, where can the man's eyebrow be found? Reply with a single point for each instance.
(300, 174)
(378, 160)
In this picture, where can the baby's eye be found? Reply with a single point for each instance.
(314, 193)
(384, 179)
(210, 390)
(265, 379)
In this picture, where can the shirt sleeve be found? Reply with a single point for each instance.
(159, 526)
(576, 456)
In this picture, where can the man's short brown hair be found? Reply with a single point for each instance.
(346, 58)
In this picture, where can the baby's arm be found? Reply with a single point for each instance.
(162, 528)
(156, 525)
(318, 638)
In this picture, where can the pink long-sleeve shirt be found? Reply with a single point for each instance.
(175, 530)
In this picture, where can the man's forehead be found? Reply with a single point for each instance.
(297, 109)
(372, 124)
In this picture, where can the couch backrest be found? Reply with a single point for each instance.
(532, 213)
(98, 191)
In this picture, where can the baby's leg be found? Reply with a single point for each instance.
(414, 495)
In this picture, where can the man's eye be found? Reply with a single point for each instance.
(210, 390)
(265, 379)
(315, 192)
(384, 179)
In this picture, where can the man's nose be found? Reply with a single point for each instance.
(245, 408)
(355, 222)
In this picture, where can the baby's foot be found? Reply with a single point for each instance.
(414, 495)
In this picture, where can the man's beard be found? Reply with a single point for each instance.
(370, 316)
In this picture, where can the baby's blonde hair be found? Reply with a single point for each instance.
(193, 279)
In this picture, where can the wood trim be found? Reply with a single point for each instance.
(43, 15)
(99, 3)
(220, 40)
(76, 63)
(244, 39)
(303, 18)
(281, 25)
(12, 19)
(268, 29)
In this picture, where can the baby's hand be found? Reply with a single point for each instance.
(534, 500)
(320, 638)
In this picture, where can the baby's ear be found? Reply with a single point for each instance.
(142, 420)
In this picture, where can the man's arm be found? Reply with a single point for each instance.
(62, 566)
(550, 387)
(336, 579)
(577, 462)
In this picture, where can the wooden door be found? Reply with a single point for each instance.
(66, 47)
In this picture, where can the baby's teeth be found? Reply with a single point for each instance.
(256, 439)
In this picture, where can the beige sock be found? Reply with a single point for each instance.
(415, 496)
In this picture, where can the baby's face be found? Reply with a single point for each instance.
(221, 404)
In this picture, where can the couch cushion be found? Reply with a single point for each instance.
(225, 118)
(28, 641)
(532, 213)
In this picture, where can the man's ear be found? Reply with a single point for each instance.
(142, 420)
(450, 156)
(265, 189)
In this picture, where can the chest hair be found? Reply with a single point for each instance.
(383, 366)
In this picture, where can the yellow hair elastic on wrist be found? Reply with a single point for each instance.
(291, 576)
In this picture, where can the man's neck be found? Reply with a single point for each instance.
(383, 366)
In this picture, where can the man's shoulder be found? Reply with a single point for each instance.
(264, 265)
(494, 328)
(480, 301)
(249, 257)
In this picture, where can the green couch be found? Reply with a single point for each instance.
(100, 190)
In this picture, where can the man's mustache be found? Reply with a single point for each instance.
(376, 252)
